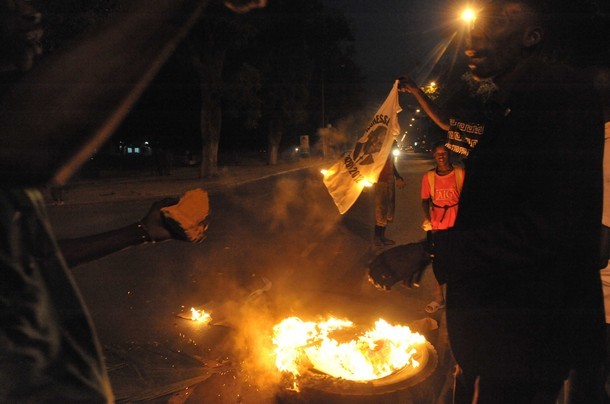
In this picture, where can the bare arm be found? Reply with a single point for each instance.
(425, 204)
(436, 114)
(150, 229)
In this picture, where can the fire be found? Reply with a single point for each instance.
(200, 316)
(375, 354)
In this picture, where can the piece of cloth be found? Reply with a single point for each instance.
(403, 263)
(524, 297)
(446, 193)
(346, 178)
(49, 351)
(187, 217)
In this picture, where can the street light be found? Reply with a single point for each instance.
(468, 15)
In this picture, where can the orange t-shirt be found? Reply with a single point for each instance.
(446, 193)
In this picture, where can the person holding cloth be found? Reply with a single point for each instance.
(521, 264)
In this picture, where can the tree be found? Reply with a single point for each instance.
(264, 74)
(304, 69)
(216, 34)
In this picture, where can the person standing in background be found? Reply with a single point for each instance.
(385, 196)
(440, 194)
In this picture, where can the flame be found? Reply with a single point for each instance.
(200, 316)
(377, 353)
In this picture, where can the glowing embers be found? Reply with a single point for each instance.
(335, 348)
(200, 316)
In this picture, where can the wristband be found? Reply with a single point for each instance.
(144, 234)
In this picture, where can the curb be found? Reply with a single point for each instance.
(120, 190)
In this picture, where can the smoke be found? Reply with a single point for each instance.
(251, 314)
(296, 205)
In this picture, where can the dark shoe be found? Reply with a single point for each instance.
(377, 239)
(384, 240)
(387, 241)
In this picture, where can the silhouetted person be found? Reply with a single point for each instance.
(524, 302)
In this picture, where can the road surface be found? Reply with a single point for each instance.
(281, 238)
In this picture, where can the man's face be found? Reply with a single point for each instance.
(496, 44)
(375, 141)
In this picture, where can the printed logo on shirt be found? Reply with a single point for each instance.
(462, 137)
(444, 195)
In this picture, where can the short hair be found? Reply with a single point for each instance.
(573, 29)
(439, 143)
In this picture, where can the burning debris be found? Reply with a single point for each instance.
(200, 316)
(335, 349)
(196, 314)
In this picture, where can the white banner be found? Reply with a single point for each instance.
(361, 166)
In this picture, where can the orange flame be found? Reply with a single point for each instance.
(376, 353)
(200, 316)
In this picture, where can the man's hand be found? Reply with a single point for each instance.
(400, 183)
(426, 225)
(154, 222)
(406, 85)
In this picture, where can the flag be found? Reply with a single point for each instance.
(362, 165)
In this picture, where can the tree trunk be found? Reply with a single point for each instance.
(276, 127)
(211, 122)
(209, 62)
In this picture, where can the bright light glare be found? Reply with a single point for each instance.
(468, 15)
(324, 172)
(396, 152)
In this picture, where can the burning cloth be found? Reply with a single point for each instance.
(362, 166)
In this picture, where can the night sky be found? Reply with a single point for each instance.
(393, 37)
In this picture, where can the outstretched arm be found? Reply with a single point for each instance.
(407, 85)
(150, 229)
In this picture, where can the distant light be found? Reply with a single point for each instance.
(296, 149)
(418, 110)
(396, 152)
(468, 15)
(412, 119)
(415, 144)
(403, 137)
(145, 143)
(432, 84)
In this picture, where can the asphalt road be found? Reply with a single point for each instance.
(281, 236)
